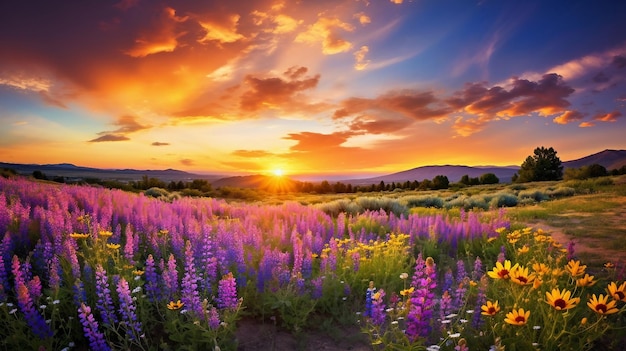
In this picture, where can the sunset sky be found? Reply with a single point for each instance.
(309, 86)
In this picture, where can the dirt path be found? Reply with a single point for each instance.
(587, 247)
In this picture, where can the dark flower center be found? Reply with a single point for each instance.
(520, 319)
(560, 303)
(522, 279)
(503, 273)
(601, 307)
(620, 294)
(491, 310)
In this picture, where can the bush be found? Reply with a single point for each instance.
(534, 194)
(424, 201)
(562, 191)
(386, 204)
(157, 192)
(334, 208)
(504, 200)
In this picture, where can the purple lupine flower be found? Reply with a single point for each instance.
(448, 280)
(214, 318)
(478, 269)
(105, 301)
(33, 318)
(4, 282)
(208, 263)
(129, 246)
(462, 281)
(422, 299)
(356, 261)
(502, 254)
(445, 305)
(170, 278)
(481, 299)
(53, 272)
(190, 296)
(369, 296)
(318, 285)
(152, 283)
(34, 288)
(79, 293)
(127, 310)
(90, 328)
(378, 308)
(570, 250)
(70, 255)
(227, 292)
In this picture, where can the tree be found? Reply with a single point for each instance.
(489, 178)
(441, 182)
(543, 165)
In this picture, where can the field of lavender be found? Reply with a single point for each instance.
(91, 268)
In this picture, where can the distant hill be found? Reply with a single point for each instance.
(610, 159)
(454, 174)
(68, 170)
(256, 181)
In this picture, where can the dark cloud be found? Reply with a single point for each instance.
(158, 143)
(126, 124)
(601, 78)
(608, 117)
(619, 61)
(109, 137)
(415, 105)
(274, 92)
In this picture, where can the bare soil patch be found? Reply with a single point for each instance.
(253, 335)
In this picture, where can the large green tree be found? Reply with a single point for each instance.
(543, 165)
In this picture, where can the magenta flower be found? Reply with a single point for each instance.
(227, 292)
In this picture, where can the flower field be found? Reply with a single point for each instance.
(91, 268)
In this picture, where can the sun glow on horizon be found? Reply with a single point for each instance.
(278, 172)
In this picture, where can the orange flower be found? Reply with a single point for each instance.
(175, 305)
(561, 300)
(618, 294)
(575, 269)
(517, 317)
(502, 271)
(490, 309)
(601, 305)
(521, 276)
(587, 280)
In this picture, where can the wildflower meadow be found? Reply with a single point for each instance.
(92, 268)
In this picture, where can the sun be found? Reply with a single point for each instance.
(278, 172)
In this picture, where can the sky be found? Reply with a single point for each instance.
(322, 87)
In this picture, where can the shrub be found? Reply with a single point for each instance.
(424, 201)
(157, 192)
(504, 200)
(562, 191)
(534, 194)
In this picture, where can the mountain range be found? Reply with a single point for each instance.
(610, 159)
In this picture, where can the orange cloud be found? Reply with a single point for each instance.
(363, 18)
(326, 31)
(251, 153)
(568, 116)
(222, 32)
(361, 62)
(161, 37)
(273, 92)
(608, 117)
(158, 143)
(586, 124)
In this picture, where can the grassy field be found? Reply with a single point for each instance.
(591, 213)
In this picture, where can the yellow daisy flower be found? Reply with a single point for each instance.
(517, 317)
(601, 305)
(175, 305)
(490, 308)
(521, 276)
(575, 269)
(502, 271)
(561, 300)
(618, 293)
(587, 280)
